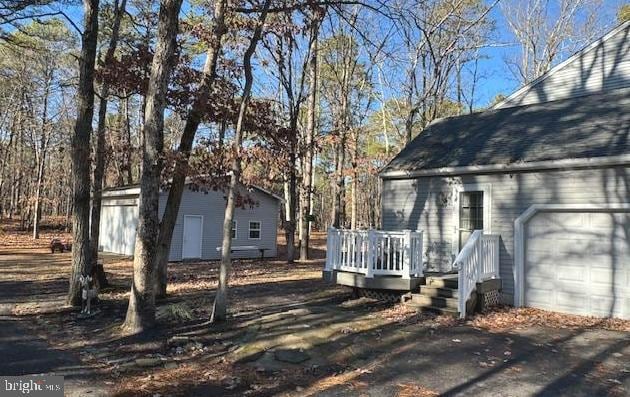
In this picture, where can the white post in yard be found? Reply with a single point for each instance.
(406, 268)
(371, 255)
(330, 248)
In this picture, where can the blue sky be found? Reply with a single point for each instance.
(497, 79)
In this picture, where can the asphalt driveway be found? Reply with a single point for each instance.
(469, 362)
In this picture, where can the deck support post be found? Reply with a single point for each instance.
(329, 248)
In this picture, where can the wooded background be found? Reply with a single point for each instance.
(308, 99)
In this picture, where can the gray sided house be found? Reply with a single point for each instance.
(198, 230)
(548, 170)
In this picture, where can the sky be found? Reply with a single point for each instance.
(497, 78)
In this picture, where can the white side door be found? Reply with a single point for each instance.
(193, 234)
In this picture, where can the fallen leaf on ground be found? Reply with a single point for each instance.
(503, 318)
(414, 390)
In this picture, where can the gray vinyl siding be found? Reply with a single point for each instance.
(601, 68)
(427, 204)
(120, 219)
(212, 207)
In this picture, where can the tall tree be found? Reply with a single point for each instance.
(219, 309)
(193, 119)
(99, 156)
(339, 55)
(81, 261)
(309, 142)
(45, 136)
(292, 73)
(141, 309)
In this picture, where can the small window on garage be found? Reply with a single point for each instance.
(254, 230)
(234, 229)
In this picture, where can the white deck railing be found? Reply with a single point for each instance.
(476, 262)
(372, 252)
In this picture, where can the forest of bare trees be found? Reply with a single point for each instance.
(308, 99)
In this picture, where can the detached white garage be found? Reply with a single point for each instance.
(575, 259)
(199, 226)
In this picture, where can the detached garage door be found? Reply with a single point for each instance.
(578, 263)
(119, 219)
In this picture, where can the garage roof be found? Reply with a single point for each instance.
(134, 190)
(592, 126)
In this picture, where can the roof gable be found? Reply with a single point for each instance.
(134, 190)
(602, 65)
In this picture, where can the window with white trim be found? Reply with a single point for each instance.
(254, 230)
(234, 228)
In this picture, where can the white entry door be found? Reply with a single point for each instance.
(193, 234)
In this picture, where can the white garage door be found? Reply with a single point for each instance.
(578, 263)
(118, 228)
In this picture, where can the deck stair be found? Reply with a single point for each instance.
(438, 294)
(395, 261)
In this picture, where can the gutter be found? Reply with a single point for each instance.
(565, 164)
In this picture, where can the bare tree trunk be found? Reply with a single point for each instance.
(340, 160)
(307, 177)
(411, 108)
(41, 159)
(69, 209)
(339, 204)
(81, 153)
(38, 198)
(190, 129)
(222, 129)
(6, 159)
(355, 180)
(219, 309)
(127, 165)
(338, 182)
(17, 201)
(99, 167)
(290, 224)
(141, 309)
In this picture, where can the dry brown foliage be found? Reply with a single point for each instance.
(414, 390)
(13, 236)
(504, 318)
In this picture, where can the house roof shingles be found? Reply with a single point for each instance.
(585, 127)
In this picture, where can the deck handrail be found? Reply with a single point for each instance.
(476, 262)
(375, 252)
